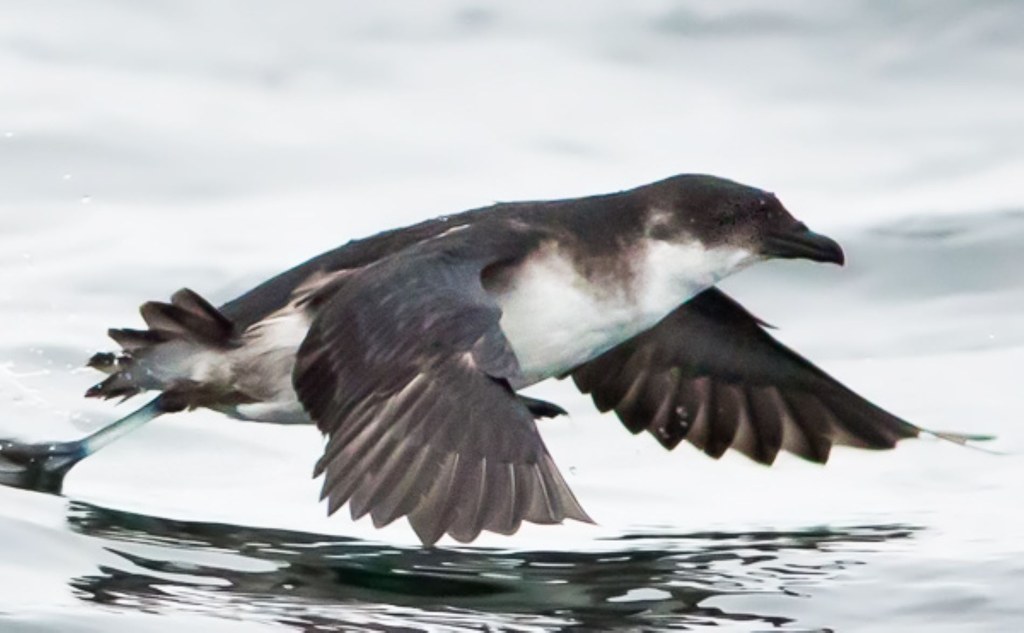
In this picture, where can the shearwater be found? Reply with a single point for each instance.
(407, 350)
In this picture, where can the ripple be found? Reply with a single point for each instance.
(331, 583)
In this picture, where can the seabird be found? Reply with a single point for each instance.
(408, 349)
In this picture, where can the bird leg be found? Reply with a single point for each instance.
(42, 466)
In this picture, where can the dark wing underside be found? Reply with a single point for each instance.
(710, 374)
(407, 372)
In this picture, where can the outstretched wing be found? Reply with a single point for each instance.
(709, 373)
(407, 371)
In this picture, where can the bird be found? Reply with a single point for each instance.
(408, 350)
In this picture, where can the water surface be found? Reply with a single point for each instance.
(149, 146)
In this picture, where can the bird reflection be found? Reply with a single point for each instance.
(316, 582)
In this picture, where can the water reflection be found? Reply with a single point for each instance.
(312, 582)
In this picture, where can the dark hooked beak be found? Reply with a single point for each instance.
(803, 243)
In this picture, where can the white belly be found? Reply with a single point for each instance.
(555, 318)
(262, 368)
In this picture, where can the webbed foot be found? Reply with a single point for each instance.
(38, 466)
(542, 408)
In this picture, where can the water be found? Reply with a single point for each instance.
(145, 147)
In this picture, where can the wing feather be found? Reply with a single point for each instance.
(733, 386)
(407, 372)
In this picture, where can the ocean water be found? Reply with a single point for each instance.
(150, 146)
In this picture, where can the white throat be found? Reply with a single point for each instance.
(556, 319)
(673, 273)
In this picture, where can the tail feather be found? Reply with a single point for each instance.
(105, 362)
(188, 317)
(175, 322)
(118, 385)
(133, 340)
(188, 300)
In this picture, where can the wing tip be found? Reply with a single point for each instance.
(963, 439)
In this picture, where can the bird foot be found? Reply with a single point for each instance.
(38, 466)
(542, 408)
